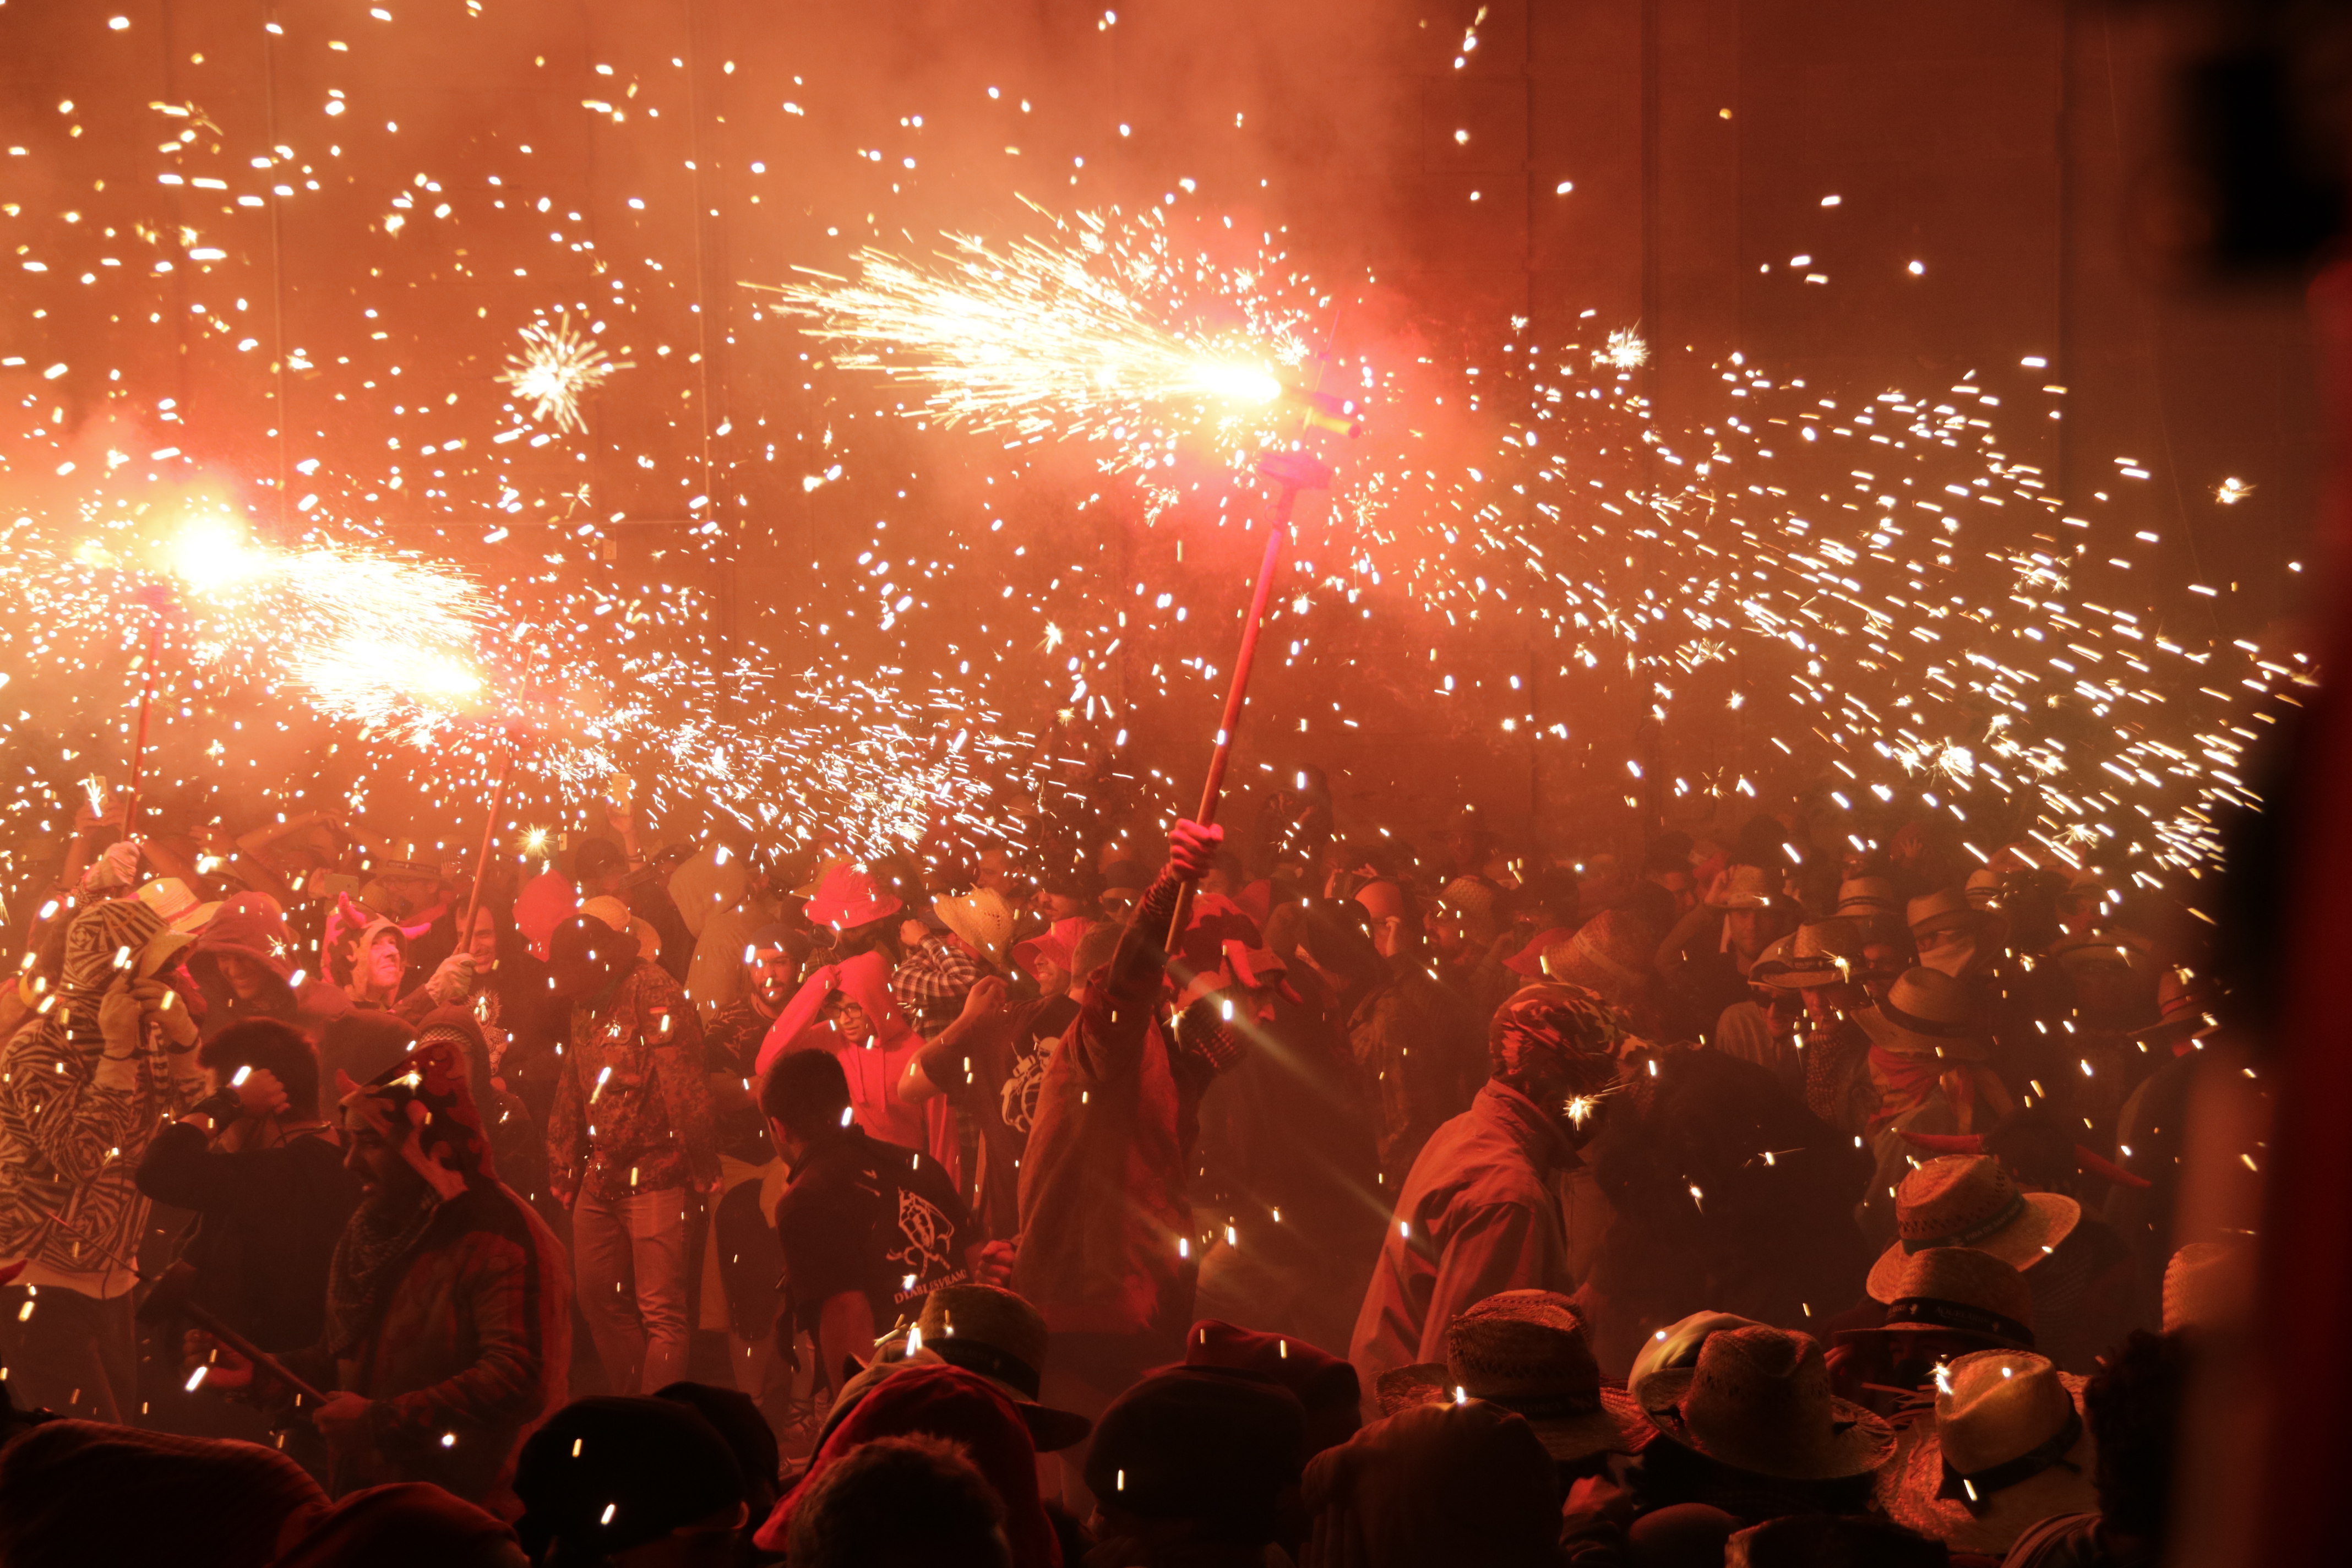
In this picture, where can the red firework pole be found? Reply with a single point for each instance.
(1293, 471)
(153, 597)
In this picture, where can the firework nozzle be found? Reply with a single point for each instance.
(1295, 470)
(1324, 410)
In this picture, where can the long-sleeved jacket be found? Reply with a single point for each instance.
(632, 1109)
(471, 1343)
(1103, 1206)
(1482, 1212)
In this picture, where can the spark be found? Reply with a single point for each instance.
(557, 366)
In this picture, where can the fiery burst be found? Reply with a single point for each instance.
(558, 365)
(1100, 331)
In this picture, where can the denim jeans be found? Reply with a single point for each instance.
(629, 1255)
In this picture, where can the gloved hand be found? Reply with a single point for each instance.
(165, 1005)
(119, 1012)
(453, 980)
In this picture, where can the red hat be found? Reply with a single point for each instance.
(546, 901)
(1059, 942)
(1325, 1384)
(850, 897)
(962, 1407)
(1528, 960)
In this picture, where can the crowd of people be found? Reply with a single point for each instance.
(1311, 1200)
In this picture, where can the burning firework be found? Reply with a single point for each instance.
(558, 365)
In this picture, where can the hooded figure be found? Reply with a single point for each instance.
(84, 1087)
(448, 1302)
(243, 961)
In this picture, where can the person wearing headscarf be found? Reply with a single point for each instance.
(86, 1083)
(1500, 1198)
(448, 1331)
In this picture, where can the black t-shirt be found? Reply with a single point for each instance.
(867, 1215)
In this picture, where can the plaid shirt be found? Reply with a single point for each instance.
(934, 980)
(632, 1110)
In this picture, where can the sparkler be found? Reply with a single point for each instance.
(557, 367)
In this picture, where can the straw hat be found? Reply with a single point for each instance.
(1946, 909)
(1826, 953)
(999, 1336)
(1612, 953)
(608, 908)
(2184, 1010)
(1959, 1289)
(1529, 960)
(2208, 1284)
(1983, 889)
(1971, 1200)
(981, 918)
(1746, 888)
(1758, 1400)
(1774, 967)
(1526, 1352)
(2007, 1449)
(176, 902)
(1927, 1013)
(1676, 1348)
(1863, 897)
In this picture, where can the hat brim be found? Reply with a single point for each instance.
(1884, 1031)
(1859, 1441)
(1908, 1485)
(1617, 1427)
(1050, 1430)
(1883, 1331)
(1410, 1387)
(2047, 1219)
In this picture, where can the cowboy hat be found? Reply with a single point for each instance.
(1744, 888)
(2184, 1008)
(1959, 1289)
(1612, 953)
(981, 918)
(1772, 967)
(1529, 960)
(2208, 1284)
(1983, 889)
(2007, 1449)
(1676, 1348)
(1866, 896)
(1946, 909)
(1758, 1400)
(1526, 1352)
(1826, 953)
(177, 903)
(999, 1336)
(1971, 1200)
(1927, 1013)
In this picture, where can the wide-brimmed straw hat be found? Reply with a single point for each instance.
(2006, 1449)
(998, 1335)
(1971, 1200)
(1614, 954)
(1983, 889)
(1927, 1013)
(1746, 888)
(1826, 953)
(1675, 1347)
(1946, 909)
(178, 904)
(2209, 1284)
(1526, 1352)
(981, 918)
(1959, 1289)
(2184, 1010)
(1529, 960)
(1758, 1400)
(1865, 898)
(1773, 966)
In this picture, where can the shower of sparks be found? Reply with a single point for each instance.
(1624, 351)
(558, 365)
(2230, 491)
(1100, 333)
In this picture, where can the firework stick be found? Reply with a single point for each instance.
(489, 842)
(146, 710)
(1293, 470)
